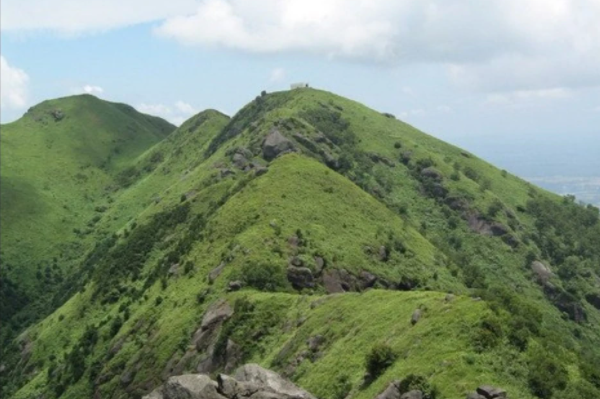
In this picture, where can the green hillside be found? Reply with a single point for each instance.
(336, 245)
(61, 166)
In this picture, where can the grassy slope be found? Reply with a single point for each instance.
(56, 172)
(53, 172)
(338, 220)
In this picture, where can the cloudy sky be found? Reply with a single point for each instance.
(462, 70)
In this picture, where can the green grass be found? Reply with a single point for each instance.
(343, 216)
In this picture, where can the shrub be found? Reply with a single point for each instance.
(488, 335)
(471, 173)
(341, 386)
(115, 326)
(264, 276)
(379, 358)
(546, 375)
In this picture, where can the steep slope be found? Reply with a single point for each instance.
(61, 163)
(312, 198)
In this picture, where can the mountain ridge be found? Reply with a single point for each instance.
(304, 194)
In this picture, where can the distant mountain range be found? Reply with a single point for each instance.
(560, 164)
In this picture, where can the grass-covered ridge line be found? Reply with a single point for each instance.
(364, 201)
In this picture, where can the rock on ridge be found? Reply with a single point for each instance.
(249, 381)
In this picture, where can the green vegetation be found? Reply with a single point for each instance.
(505, 275)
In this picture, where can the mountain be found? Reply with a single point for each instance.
(332, 243)
(61, 165)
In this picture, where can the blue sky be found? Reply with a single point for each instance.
(467, 71)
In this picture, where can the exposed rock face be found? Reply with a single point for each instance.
(226, 172)
(249, 381)
(542, 272)
(484, 227)
(412, 395)
(394, 391)
(378, 158)
(300, 277)
(234, 285)
(319, 264)
(276, 144)
(391, 392)
(384, 254)
(593, 299)
(489, 392)
(260, 170)
(216, 272)
(239, 160)
(271, 381)
(338, 281)
(217, 313)
(416, 316)
(432, 173)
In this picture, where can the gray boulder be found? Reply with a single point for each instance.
(191, 386)
(216, 313)
(276, 144)
(300, 277)
(249, 382)
(260, 170)
(253, 373)
(412, 395)
(416, 316)
(216, 272)
(541, 271)
(432, 173)
(239, 161)
(490, 392)
(391, 392)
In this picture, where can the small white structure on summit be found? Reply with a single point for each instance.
(298, 86)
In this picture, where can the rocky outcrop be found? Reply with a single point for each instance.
(200, 355)
(541, 271)
(216, 272)
(432, 173)
(249, 381)
(338, 281)
(276, 144)
(379, 158)
(488, 392)
(593, 299)
(416, 316)
(300, 277)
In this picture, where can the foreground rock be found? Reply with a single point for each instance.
(248, 381)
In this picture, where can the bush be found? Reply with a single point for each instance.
(342, 386)
(546, 375)
(264, 276)
(488, 334)
(379, 358)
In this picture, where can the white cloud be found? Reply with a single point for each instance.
(412, 113)
(13, 85)
(525, 97)
(493, 45)
(177, 113)
(277, 75)
(445, 109)
(75, 16)
(489, 45)
(91, 89)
